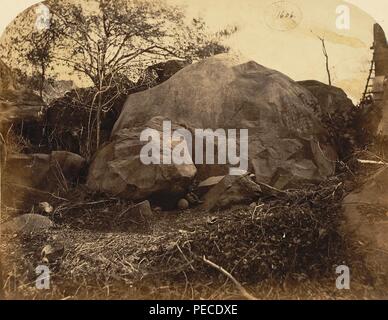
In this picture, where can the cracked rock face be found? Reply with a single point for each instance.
(118, 169)
(287, 142)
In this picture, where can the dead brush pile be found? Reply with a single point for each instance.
(295, 233)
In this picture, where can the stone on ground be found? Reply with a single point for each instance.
(231, 190)
(26, 224)
(139, 216)
(209, 183)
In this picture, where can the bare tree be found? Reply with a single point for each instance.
(32, 49)
(40, 55)
(114, 37)
(108, 42)
(326, 58)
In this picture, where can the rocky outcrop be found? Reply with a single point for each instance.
(287, 142)
(27, 179)
(336, 112)
(41, 171)
(377, 95)
(16, 103)
(332, 101)
(380, 55)
(138, 216)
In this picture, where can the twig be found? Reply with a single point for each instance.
(271, 190)
(371, 162)
(36, 190)
(242, 290)
(324, 50)
(187, 260)
(326, 58)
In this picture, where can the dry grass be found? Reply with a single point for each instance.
(286, 247)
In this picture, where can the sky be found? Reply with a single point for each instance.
(292, 49)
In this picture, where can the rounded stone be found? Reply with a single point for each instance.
(183, 204)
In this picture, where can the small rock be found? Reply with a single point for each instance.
(140, 214)
(28, 223)
(232, 190)
(211, 220)
(46, 207)
(52, 252)
(158, 210)
(183, 204)
(193, 199)
(207, 184)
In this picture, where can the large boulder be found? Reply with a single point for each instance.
(118, 169)
(287, 143)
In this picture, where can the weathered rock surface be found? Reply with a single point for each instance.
(380, 88)
(337, 113)
(26, 224)
(139, 216)
(26, 176)
(183, 204)
(331, 100)
(222, 92)
(287, 143)
(70, 164)
(42, 171)
(231, 190)
(366, 213)
(16, 103)
(209, 183)
(118, 169)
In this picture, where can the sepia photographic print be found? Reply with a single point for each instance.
(194, 150)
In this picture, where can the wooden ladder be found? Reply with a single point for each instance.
(369, 82)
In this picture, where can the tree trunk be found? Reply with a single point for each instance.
(42, 80)
(327, 60)
(98, 119)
